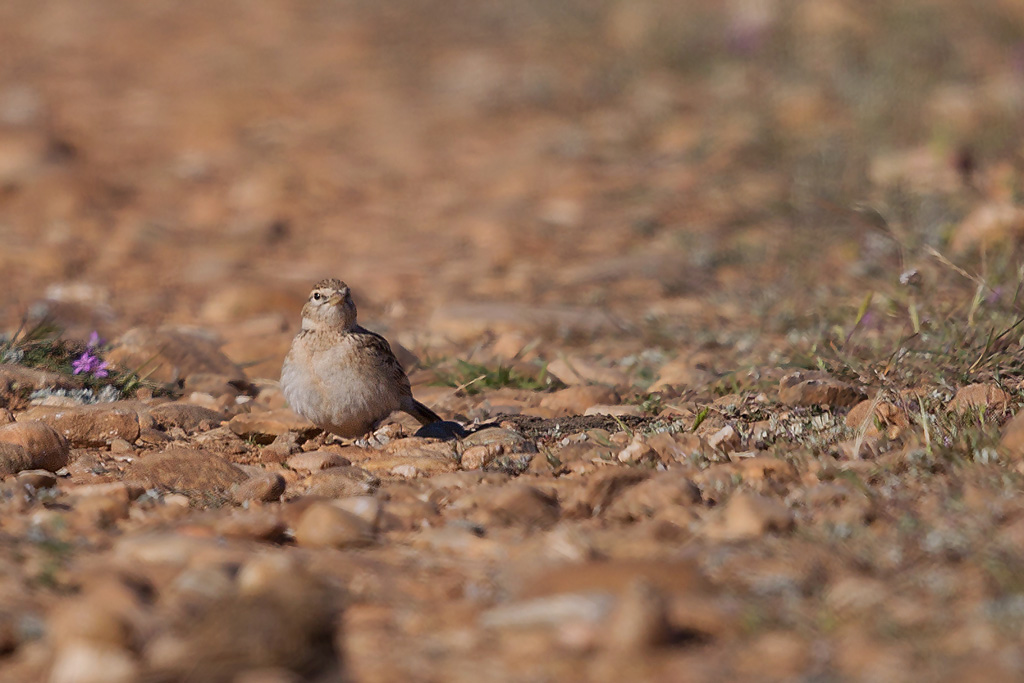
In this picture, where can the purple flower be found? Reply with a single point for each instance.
(90, 364)
(94, 340)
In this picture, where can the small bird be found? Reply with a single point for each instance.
(340, 376)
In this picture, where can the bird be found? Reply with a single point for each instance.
(340, 376)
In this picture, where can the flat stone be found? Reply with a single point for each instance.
(186, 471)
(314, 461)
(265, 426)
(336, 482)
(187, 416)
(815, 388)
(90, 426)
(576, 400)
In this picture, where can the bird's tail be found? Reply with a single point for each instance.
(422, 413)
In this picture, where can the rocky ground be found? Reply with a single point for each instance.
(727, 294)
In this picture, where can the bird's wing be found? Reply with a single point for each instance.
(378, 348)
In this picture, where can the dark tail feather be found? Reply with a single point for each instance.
(422, 413)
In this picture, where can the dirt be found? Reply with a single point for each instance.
(726, 296)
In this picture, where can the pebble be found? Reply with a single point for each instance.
(815, 388)
(323, 525)
(267, 425)
(313, 461)
(577, 399)
(187, 416)
(340, 481)
(264, 488)
(37, 479)
(616, 410)
(725, 439)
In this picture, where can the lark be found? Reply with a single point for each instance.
(340, 376)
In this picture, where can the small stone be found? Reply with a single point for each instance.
(256, 525)
(676, 447)
(279, 450)
(478, 457)
(187, 416)
(264, 488)
(325, 526)
(616, 410)
(749, 515)
(975, 396)
(314, 461)
(577, 399)
(37, 479)
(44, 447)
(337, 482)
(808, 389)
(890, 417)
(725, 439)
(637, 451)
(267, 425)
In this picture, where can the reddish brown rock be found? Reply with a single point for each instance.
(187, 416)
(324, 525)
(90, 426)
(185, 471)
(265, 426)
(314, 461)
(264, 488)
(43, 447)
(575, 400)
(336, 482)
(891, 418)
(815, 388)
(975, 396)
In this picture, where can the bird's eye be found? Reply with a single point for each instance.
(317, 296)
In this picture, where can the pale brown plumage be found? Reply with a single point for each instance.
(341, 376)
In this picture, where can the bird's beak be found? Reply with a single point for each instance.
(336, 299)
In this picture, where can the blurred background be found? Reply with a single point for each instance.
(642, 171)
